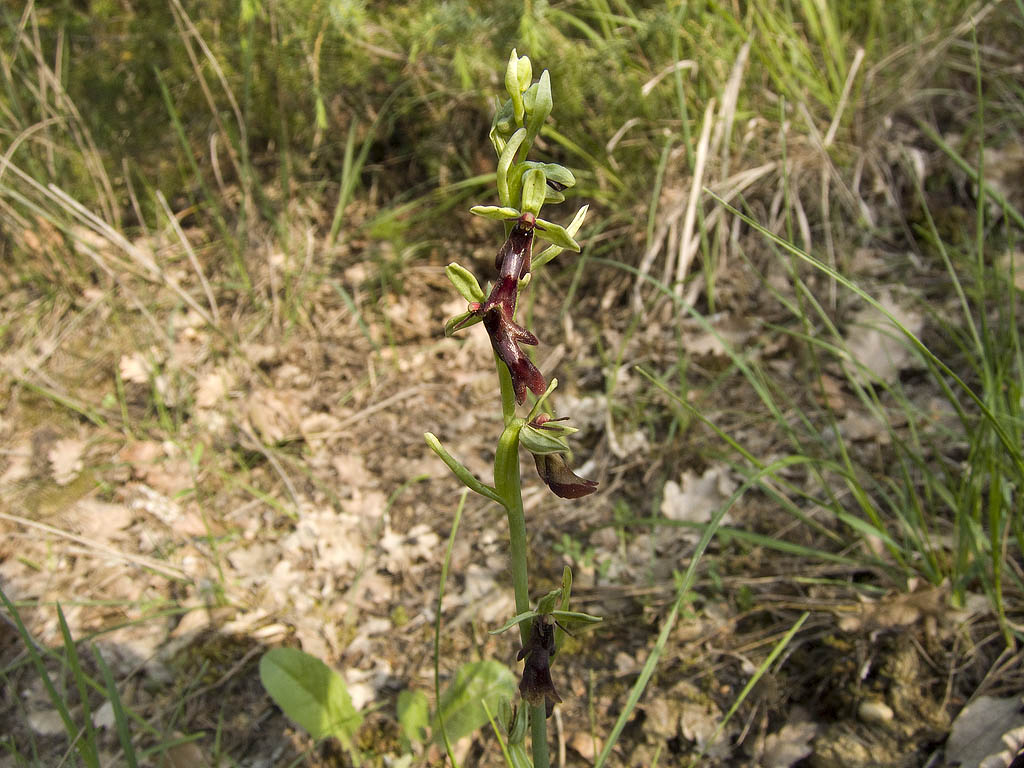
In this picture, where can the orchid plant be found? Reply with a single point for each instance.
(524, 187)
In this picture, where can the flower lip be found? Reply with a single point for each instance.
(506, 337)
(554, 470)
(536, 685)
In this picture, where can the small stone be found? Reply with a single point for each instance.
(874, 712)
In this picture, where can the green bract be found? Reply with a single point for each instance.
(512, 86)
(465, 282)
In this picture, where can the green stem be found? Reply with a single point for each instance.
(508, 394)
(508, 484)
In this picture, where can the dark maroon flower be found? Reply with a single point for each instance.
(554, 470)
(536, 685)
(499, 311)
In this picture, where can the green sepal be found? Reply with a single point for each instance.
(514, 621)
(566, 587)
(552, 385)
(512, 86)
(540, 441)
(553, 196)
(465, 282)
(496, 212)
(455, 324)
(525, 68)
(551, 251)
(504, 119)
(566, 594)
(557, 234)
(497, 140)
(554, 172)
(535, 188)
(557, 428)
(541, 104)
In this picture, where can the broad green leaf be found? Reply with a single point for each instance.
(474, 682)
(413, 711)
(310, 693)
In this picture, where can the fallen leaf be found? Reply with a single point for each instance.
(134, 368)
(586, 745)
(275, 415)
(695, 499)
(66, 460)
(878, 345)
(978, 729)
(790, 745)
(211, 389)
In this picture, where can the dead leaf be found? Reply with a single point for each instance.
(100, 520)
(586, 745)
(978, 729)
(66, 460)
(695, 499)
(211, 389)
(899, 610)
(662, 719)
(275, 414)
(790, 745)
(187, 755)
(135, 368)
(20, 465)
(878, 345)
